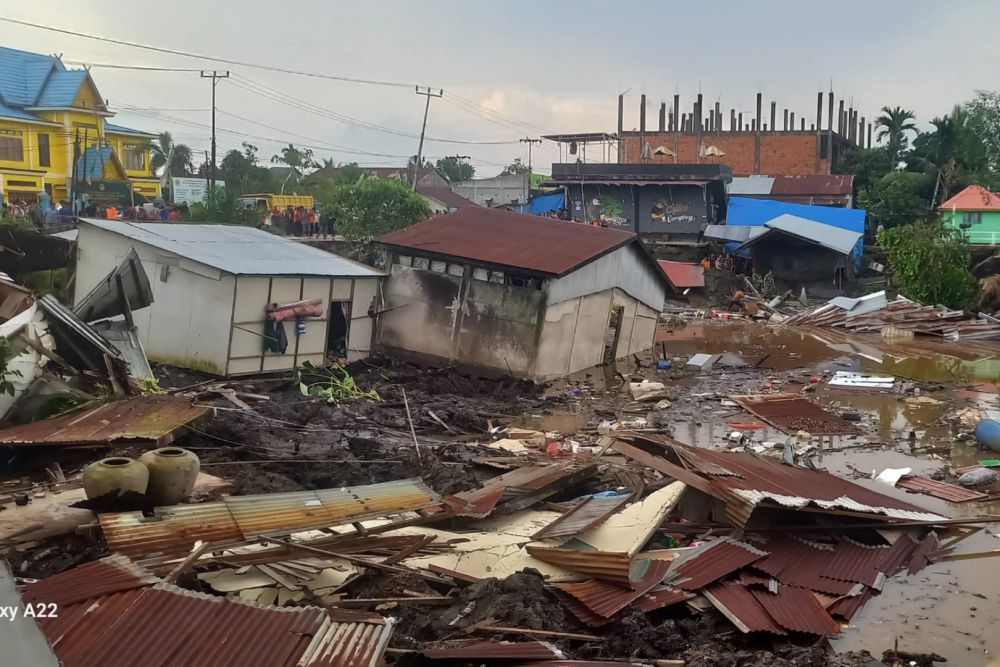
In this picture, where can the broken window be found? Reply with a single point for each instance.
(438, 266)
(421, 263)
(518, 280)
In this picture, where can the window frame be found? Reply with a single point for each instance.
(8, 136)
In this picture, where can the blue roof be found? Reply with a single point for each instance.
(60, 89)
(94, 162)
(23, 75)
(111, 127)
(757, 212)
(13, 112)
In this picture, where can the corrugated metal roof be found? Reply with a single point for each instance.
(938, 489)
(737, 233)
(143, 419)
(797, 609)
(607, 565)
(792, 413)
(529, 650)
(20, 636)
(800, 563)
(583, 516)
(805, 185)
(126, 341)
(740, 606)
(23, 74)
(60, 88)
(580, 611)
(112, 128)
(847, 607)
(856, 562)
(113, 574)
(494, 236)
(712, 562)
(66, 318)
(174, 530)
(751, 185)
(828, 236)
(662, 597)
(607, 599)
(445, 195)
(481, 502)
(92, 162)
(104, 301)
(349, 644)
(683, 274)
(759, 479)
(237, 249)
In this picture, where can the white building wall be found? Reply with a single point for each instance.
(624, 268)
(502, 189)
(188, 324)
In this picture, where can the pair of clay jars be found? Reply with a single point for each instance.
(165, 475)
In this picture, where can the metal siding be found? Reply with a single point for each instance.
(237, 249)
(624, 268)
(114, 574)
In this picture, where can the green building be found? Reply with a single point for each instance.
(976, 211)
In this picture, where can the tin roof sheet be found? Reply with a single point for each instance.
(494, 236)
(943, 490)
(237, 249)
(683, 274)
(607, 565)
(738, 233)
(740, 606)
(712, 562)
(799, 563)
(607, 599)
(662, 597)
(860, 563)
(759, 479)
(797, 609)
(583, 516)
(834, 238)
(529, 650)
(146, 419)
(113, 574)
(792, 414)
(349, 644)
(580, 611)
(174, 530)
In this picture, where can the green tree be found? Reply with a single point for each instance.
(371, 207)
(894, 125)
(929, 263)
(516, 167)
(299, 159)
(896, 199)
(984, 122)
(180, 156)
(243, 173)
(456, 168)
(868, 165)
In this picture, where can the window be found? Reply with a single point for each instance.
(972, 218)
(134, 157)
(438, 266)
(456, 270)
(421, 263)
(403, 260)
(12, 145)
(44, 160)
(497, 277)
(481, 274)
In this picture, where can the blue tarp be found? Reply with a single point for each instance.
(755, 212)
(542, 204)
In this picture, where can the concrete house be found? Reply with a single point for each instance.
(976, 212)
(520, 294)
(212, 286)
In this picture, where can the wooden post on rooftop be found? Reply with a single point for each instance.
(642, 125)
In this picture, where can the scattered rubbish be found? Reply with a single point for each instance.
(891, 476)
(988, 434)
(791, 414)
(861, 381)
(703, 362)
(978, 477)
(648, 391)
(939, 489)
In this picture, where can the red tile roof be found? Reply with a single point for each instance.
(973, 198)
(683, 274)
(497, 237)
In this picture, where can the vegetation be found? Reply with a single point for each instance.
(298, 159)
(221, 206)
(370, 207)
(243, 172)
(335, 384)
(930, 263)
(894, 126)
(181, 163)
(6, 386)
(516, 167)
(456, 168)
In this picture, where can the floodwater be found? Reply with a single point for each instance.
(950, 608)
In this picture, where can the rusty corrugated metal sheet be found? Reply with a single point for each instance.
(481, 502)
(349, 645)
(528, 650)
(144, 419)
(847, 607)
(798, 610)
(579, 610)
(113, 574)
(713, 562)
(607, 565)
(683, 274)
(792, 414)
(943, 490)
(739, 605)
(607, 599)
(664, 597)
(755, 480)
(800, 563)
(542, 245)
(856, 562)
(584, 516)
(827, 185)
(923, 554)
(174, 530)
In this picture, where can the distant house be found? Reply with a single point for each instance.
(495, 191)
(657, 201)
(212, 284)
(816, 189)
(519, 294)
(976, 212)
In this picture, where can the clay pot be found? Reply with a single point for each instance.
(116, 473)
(172, 473)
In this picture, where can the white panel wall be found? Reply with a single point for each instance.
(624, 268)
(359, 338)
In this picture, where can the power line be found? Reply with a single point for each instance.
(144, 68)
(175, 52)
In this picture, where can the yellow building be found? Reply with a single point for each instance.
(53, 120)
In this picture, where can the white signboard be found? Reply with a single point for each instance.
(191, 190)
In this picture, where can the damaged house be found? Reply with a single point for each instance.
(230, 300)
(520, 294)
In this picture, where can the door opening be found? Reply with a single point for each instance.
(336, 336)
(613, 334)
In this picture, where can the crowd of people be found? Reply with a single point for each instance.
(299, 221)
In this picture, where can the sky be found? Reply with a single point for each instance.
(508, 70)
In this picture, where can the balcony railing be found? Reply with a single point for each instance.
(982, 237)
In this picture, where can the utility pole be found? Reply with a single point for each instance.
(214, 76)
(428, 93)
(529, 141)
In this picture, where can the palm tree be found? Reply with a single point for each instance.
(178, 154)
(894, 124)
